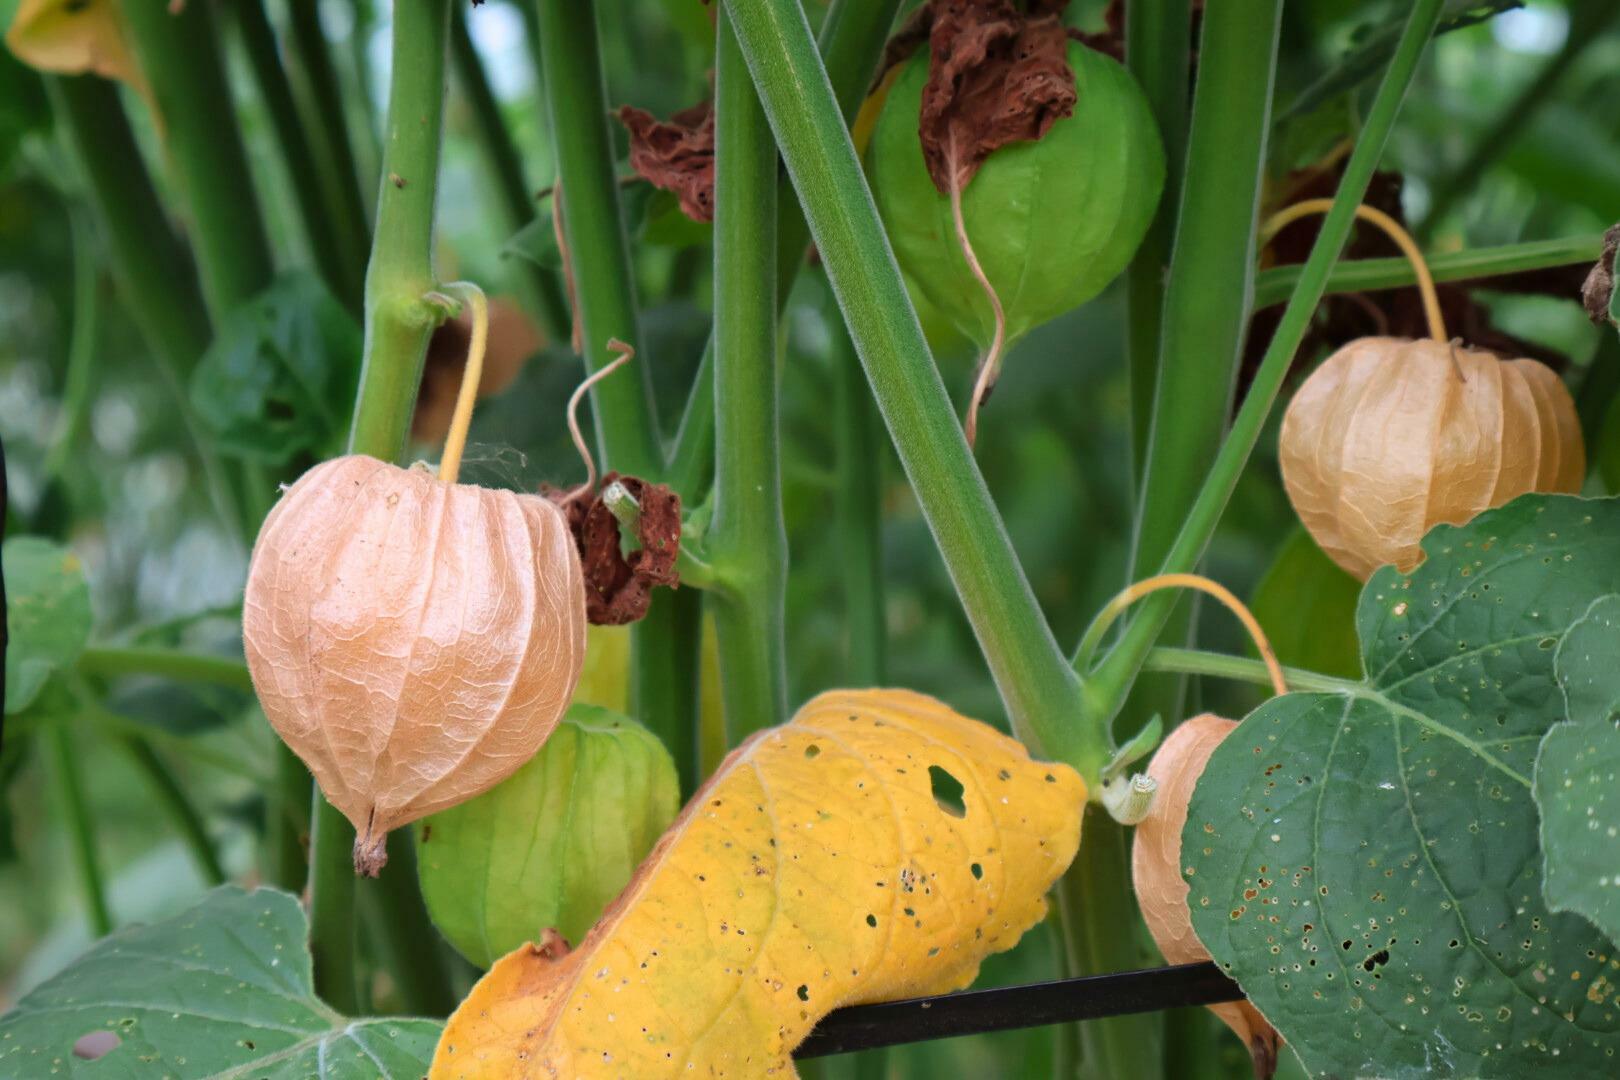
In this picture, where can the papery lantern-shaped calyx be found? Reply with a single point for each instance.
(413, 641)
(1156, 872)
(1389, 438)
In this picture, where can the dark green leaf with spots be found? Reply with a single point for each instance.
(1366, 863)
(47, 615)
(1578, 775)
(224, 990)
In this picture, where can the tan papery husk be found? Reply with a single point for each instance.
(1390, 437)
(1161, 890)
(413, 641)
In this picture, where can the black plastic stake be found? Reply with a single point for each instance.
(866, 1027)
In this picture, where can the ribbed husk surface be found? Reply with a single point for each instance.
(1156, 872)
(1391, 437)
(413, 641)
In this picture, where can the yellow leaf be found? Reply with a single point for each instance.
(878, 846)
(75, 37)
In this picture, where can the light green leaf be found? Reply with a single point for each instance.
(1366, 863)
(47, 615)
(1306, 604)
(1578, 775)
(223, 990)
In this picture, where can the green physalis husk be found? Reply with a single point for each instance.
(1052, 222)
(554, 843)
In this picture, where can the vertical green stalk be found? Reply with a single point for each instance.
(626, 424)
(1041, 692)
(397, 915)
(180, 808)
(505, 168)
(179, 53)
(286, 858)
(81, 827)
(399, 322)
(857, 435)
(1158, 47)
(853, 34)
(327, 121)
(151, 266)
(78, 384)
(343, 271)
(1211, 281)
(1111, 681)
(747, 542)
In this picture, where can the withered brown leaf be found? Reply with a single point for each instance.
(676, 154)
(618, 587)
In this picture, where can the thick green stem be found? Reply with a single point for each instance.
(344, 272)
(311, 61)
(852, 37)
(1211, 271)
(626, 424)
(1242, 669)
(1274, 286)
(505, 167)
(179, 53)
(399, 322)
(172, 796)
(747, 541)
(331, 907)
(285, 855)
(857, 441)
(396, 913)
(1041, 692)
(174, 664)
(1115, 675)
(1158, 46)
(78, 383)
(80, 825)
(154, 272)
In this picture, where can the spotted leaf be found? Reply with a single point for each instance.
(1366, 863)
(878, 846)
(1578, 775)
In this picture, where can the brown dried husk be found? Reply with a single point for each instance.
(1161, 890)
(413, 641)
(1391, 437)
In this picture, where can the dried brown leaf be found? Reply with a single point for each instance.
(618, 587)
(1598, 289)
(676, 154)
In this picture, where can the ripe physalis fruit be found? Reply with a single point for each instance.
(1391, 437)
(1016, 170)
(551, 844)
(412, 639)
(877, 846)
(1156, 873)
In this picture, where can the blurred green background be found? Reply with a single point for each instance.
(126, 494)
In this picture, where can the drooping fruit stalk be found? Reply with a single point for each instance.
(412, 639)
(1391, 437)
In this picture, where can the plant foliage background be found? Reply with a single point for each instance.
(120, 489)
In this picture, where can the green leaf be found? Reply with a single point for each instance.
(1306, 604)
(1366, 863)
(280, 376)
(536, 242)
(223, 990)
(665, 224)
(1578, 775)
(553, 843)
(47, 615)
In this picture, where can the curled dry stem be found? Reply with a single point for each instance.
(990, 367)
(626, 353)
(1128, 596)
(1403, 240)
(455, 442)
(575, 334)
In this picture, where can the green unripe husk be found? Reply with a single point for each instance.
(554, 843)
(1052, 221)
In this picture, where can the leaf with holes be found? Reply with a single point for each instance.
(1366, 863)
(47, 615)
(877, 846)
(224, 989)
(1578, 775)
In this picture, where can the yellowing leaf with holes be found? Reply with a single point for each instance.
(74, 37)
(878, 846)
